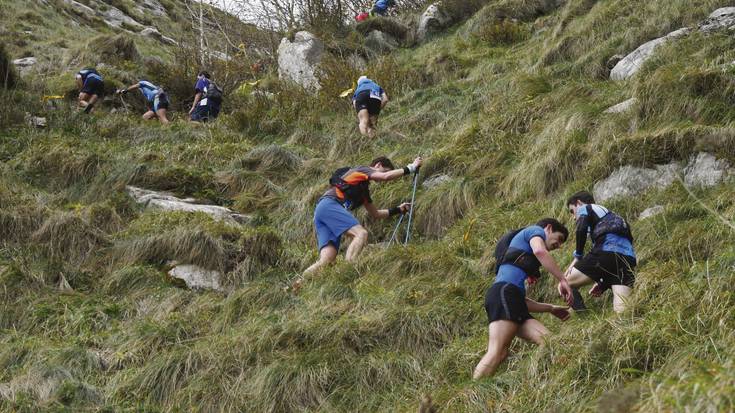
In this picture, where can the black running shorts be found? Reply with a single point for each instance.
(505, 301)
(364, 101)
(608, 268)
(93, 87)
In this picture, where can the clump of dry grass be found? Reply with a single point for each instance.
(67, 236)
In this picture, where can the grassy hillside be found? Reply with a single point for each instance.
(511, 109)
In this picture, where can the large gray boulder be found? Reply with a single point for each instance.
(298, 60)
(630, 180)
(632, 63)
(197, 278)
(720, 19)
(167, 202)
(433, 20)
(114, 17)
(152, 7)
(25, 65)
(380, 42)
(705, 170)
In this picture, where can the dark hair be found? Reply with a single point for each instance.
(556, 226)
(583, 196)
(204, 73)
(383, 160)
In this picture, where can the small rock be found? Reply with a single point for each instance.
(622, 106)
(25, 62)
(650, 212)
(298, 60)
(632, 63)
(35, 121)
(380, 42)
(152, 32)
(436, 180)
(167, 202)
(705, 170)
(432, 21)
(197, 278)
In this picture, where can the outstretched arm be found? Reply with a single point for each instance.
(583, 223)
(396, 173)
(129, 88)
(556, 310)
(547, 261)
(197, 98)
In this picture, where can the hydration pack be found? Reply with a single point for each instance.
(354, 193)
(214, 92)
(505, 254)
(610, 223)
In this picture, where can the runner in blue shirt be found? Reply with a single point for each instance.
(611, 262)
(156, 100)
(520, 255)
(91, 86)
(380, 7)
(369, 98)
(206, 106)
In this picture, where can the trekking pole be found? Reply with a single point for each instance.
(410, 211)
(395, 231)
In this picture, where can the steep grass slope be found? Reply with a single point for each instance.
(512, 110)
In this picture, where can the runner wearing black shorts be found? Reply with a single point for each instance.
(611, 262)
(368, 100)
(507, 307)
(92, 87)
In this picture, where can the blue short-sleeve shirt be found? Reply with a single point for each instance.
(613, 242)
(201, 87)
(515, 275)
(149, 90)
(376, 92)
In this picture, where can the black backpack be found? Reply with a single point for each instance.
(355, 194)
(610, 223)
(214, 92)
(506, 255)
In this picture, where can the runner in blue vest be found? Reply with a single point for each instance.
(368, 100)
(611, 262)
(508, 309)
(155, 97)
(91, 87)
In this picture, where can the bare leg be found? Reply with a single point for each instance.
(327, 255)
(364, 119)
(161, 113)
(149, 115)
(621, 294)
(372, 125)
(500, 335)
(359, 239)
(532, 330)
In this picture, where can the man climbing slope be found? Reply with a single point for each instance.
(520, 254)
(91, 86)
(156, 100)
(611, 262)
(350, 189)
(380, 8)
(369, 99)
(207, 99)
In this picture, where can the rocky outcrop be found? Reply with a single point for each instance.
(720, 19)
(436, 180)
(153, 7)
(433, 20)
(197, 278)
(622, 106)
(152, 32)
(35, 121)
(651, 212)
(380, 42)
(25, 65)
(632, 63)
(702, 170)
(705, 170)
(167, 202)
(298, 60)
(114, 17)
